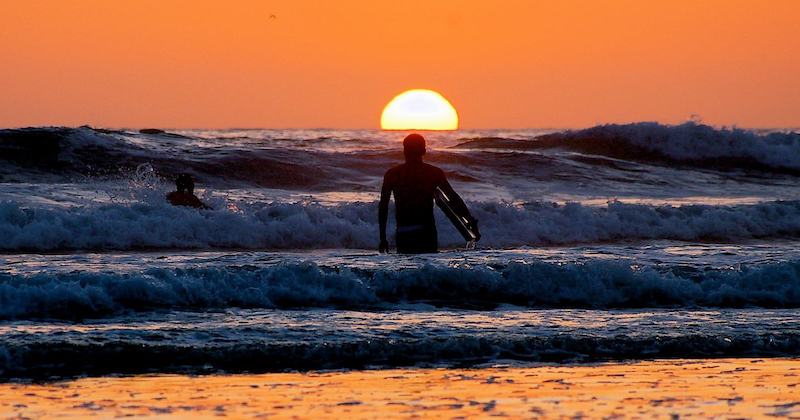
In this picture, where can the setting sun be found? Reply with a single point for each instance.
(419, 109)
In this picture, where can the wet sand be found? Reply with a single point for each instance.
(715, 387)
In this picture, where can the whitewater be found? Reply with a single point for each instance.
(613, 242)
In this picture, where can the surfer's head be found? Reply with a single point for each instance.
(184, 183)
(414, 146)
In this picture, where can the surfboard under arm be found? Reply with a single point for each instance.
(461, 221)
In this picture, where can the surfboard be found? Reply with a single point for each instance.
(467, 227)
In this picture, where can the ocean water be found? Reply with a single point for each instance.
(611, 243)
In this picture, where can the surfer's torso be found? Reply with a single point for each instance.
(413, 185)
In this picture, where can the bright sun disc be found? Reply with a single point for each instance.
(419, 109)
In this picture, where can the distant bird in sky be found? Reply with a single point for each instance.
(273, 17)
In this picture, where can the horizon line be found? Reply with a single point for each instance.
(254, 128)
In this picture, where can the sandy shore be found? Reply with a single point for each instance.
(729, 388)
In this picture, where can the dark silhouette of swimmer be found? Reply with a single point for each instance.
(413, 184)
(184, 196)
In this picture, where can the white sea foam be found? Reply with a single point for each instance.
(594, 284)
(695, 142)
(315, 226)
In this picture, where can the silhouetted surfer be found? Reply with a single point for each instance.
(184, 196)
(414, 185)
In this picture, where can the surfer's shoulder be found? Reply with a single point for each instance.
(434, 170)
(397, 168)
(392, 172)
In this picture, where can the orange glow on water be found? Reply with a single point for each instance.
(649, 389)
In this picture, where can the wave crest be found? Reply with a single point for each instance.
(354, 225)
(689, 143)
(595, 284)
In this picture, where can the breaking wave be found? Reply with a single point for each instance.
(85, 154)
(689, 143)
(47, 154)
(354, 225)
(594, 284)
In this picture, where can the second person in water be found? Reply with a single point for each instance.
(184, 193)
(414, 185)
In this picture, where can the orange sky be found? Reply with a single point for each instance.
(510, 64)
